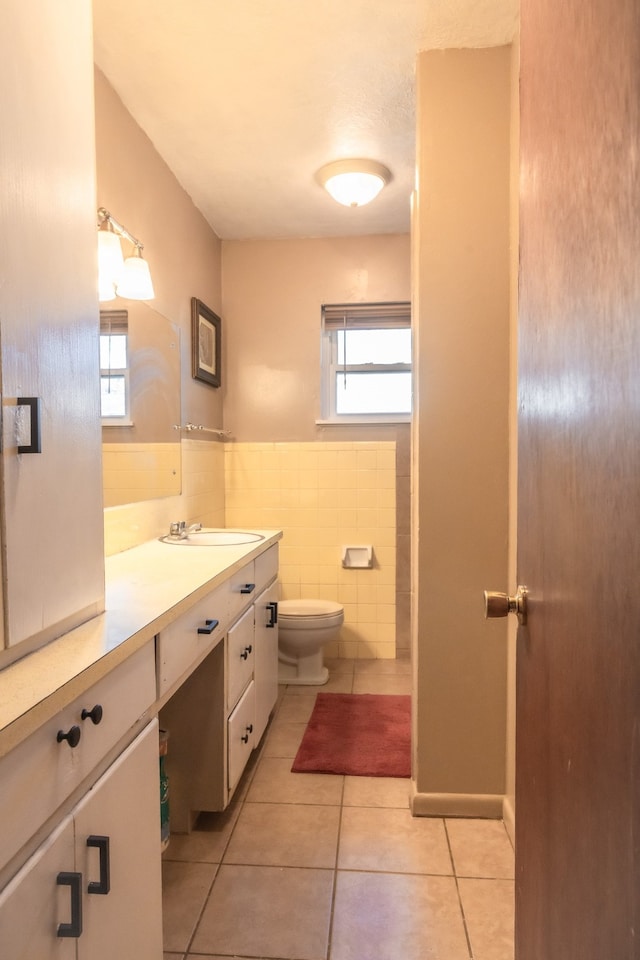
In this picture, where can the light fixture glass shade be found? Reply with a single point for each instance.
(110, 263)
(353, 182)
(135, 280)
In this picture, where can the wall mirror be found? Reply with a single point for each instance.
(140, 397)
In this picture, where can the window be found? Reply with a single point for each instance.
(114, 367)
(366, 362)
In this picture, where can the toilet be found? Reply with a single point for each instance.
(304, 626)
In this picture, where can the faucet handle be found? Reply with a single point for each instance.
(176, 528)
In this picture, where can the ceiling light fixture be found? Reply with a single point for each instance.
(128, 278)
(353, 182)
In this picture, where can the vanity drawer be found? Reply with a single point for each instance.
(242, 589)
(240, 733)
(183, 643)
(42, 772)
(240, 656)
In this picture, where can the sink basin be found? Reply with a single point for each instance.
(214, 538)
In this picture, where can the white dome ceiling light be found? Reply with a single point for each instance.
(353, 182)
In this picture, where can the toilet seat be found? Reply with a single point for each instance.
(308, 609)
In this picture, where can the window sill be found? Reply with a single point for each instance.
(364, 420)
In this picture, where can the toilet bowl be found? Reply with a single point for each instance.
(304, 626)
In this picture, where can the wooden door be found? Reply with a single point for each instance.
(578, 661)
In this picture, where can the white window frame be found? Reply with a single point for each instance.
(117, 322)
(363, 316)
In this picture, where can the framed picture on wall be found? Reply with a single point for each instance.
(205, 343)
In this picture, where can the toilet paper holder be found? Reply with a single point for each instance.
(357, 558)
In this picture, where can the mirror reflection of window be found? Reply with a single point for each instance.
(114, 366)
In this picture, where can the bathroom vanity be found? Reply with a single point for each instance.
(188, 641)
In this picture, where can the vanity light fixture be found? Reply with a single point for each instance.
(128, 278)
(353, 182)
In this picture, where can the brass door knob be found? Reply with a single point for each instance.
(501, 604)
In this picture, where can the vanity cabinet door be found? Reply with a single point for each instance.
(33, 905)
(98, 873)
(266, 656)
(121, 815)
(51, 489)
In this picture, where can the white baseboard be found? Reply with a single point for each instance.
(486, 805)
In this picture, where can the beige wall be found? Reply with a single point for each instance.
(138, 188)
(273, 291)
(461, 434)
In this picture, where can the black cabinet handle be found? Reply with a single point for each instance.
(72, 736)
(95, 714)
(34, 404)
(248, 588)
(210, 626)
(245, 653)
(103, 885)
(272, 607)
(74, 881)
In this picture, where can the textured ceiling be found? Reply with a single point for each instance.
(246, 99)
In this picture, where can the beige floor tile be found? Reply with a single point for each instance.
(337, 683)
(274, 783)
(339, 665)
(258, 911)
(488, 909)
(376, 792)
(481, 848)
(296, 708)
(393, 917)
(379, 683)
(172, 956)
(285, 835)
(383, 668)
(283, 739)
(185, 887)
(207, 841)
(392, 840)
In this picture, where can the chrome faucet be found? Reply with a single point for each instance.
(181, 531)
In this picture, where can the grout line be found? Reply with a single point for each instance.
(455, 877)
(335, 872)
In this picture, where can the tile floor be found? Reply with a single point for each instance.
(320, 867)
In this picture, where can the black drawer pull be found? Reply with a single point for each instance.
(74, 881)
(72, 736)
(245, 653)
(95, 715)
(103, 885)
(248, 588)
(272, 607)
(210, 626)
(35, 443)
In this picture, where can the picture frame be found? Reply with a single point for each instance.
(206, 342)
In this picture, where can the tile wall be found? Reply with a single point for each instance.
(201, 500)
(139, 471)
(325, 496)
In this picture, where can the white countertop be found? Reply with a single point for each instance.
(147, 587)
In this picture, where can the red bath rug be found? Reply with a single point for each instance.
(358, 734)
